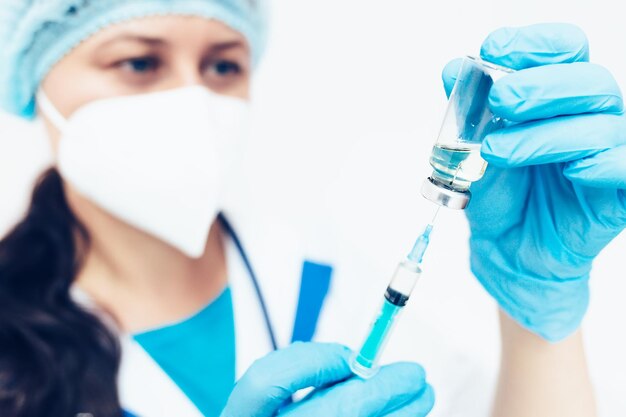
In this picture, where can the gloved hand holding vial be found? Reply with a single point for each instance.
(456, 164)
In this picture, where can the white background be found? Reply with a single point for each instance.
(349, 101)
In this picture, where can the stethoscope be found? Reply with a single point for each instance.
(253, 277)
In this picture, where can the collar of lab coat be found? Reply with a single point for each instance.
(147, 391)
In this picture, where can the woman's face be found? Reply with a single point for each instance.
(148, 55)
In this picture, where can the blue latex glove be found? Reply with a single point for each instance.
(398, 390)
(553, 196)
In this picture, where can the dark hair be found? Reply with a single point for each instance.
(56, 358)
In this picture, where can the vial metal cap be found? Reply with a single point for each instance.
(443, 196)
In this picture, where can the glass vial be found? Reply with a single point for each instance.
(455, 157)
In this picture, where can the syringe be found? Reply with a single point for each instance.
(408, 271)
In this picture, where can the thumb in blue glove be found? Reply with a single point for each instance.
(553, 196)
(398, 390)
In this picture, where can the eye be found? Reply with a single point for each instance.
(141, 65)
(225, 68)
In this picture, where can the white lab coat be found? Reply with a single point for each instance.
(277, 256)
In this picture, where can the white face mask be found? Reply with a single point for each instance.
(156, 161)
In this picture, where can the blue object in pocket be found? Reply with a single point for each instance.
(314, 286)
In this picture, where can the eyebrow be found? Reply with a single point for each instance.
(135, 38)
(226, 45)
(218, 47)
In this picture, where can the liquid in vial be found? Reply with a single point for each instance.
(457, 166)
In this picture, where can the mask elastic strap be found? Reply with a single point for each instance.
(50, 111)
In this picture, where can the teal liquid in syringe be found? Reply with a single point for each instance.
(365, 363)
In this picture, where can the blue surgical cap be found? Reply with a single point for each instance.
(36, 34)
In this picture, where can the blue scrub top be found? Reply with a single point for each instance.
(198, 354)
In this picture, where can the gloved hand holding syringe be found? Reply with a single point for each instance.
(456, 164)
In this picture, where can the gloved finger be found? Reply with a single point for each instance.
(605, 169)
(535, 45)
(561, 139)
(555, 90)
(272, 379)
(499, 200)
(392, 388)
(449, 74)
(419, 407)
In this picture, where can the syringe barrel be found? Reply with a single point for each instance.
(365, 363)
(403, 281)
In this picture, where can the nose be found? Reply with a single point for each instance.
(186, 72)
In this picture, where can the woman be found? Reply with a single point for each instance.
(144, 102)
